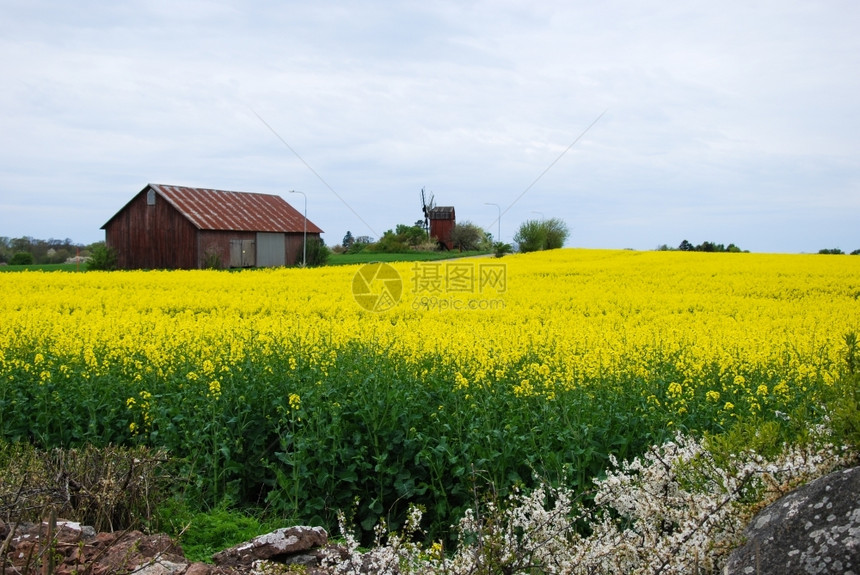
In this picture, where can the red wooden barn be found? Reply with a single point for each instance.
(442, 221)
(174, 227)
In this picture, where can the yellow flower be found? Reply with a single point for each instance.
(713, 396)
(762, 390)
(215, 389)
(295, 401)
(729, 406)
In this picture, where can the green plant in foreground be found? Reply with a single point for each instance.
(103, 258)
(202, 533)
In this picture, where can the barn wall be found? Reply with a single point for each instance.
(152, 236)
(218, 242)
(217, 245)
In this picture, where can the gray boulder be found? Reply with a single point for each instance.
(812, 530)
(287, 545)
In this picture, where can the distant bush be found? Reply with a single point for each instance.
(832, 251)
(103, 258)
(501, 248)
(22, 259)
(466, 236)
(855, 253)
(536, 235)
(359, 245)
(686, 246)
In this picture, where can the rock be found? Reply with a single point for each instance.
(198, 569)
(278, 545)
(812, 530)
(77, 548)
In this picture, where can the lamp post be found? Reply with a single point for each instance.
(499, 220)
(305, 237)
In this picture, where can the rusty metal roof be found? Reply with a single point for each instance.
(234, 211)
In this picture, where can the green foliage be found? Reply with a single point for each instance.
(373, 436)
(831, 251)
(50, 251)
(389, 243)
(370, 434)
(348, 240)
(856, 253)
(402, 239)
(317, 253)
(203, 533)
(359, 244)
(686, 246)
(22, 259)
(501, 248)
(843, 397)
(466, 236)
(531, 236)
(103, 258)
(537, 235)
(412, 235)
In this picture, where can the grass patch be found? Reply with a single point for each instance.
(366, 257)
(203, 533)
(81, 267)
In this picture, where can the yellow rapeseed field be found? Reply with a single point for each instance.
(576, 315)
(281, 384)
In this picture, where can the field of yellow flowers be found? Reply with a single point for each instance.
(314, 390)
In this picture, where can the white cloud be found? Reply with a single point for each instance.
(724, 120)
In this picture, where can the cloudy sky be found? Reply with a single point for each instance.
(732, 121)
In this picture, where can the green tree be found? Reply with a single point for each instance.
(22, 259)
(501, 248)
(466, 236)
(536, 235)
(348, 240)
(317, 253)
(411, 235)
(103, 257)
(556, 233)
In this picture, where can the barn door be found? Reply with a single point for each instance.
(270, 249)
(242, 254)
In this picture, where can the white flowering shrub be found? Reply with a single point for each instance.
(674, 510)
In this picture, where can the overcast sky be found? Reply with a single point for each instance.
(731, 121)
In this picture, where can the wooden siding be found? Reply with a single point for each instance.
(152, 236)
(441, 231)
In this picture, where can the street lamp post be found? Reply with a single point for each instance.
(305, 237)
(499, 220)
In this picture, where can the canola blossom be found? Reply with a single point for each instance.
(259, 366)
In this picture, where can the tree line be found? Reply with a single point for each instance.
(532, 235)
(27, 250)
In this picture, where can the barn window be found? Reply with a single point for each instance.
(150, 198)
